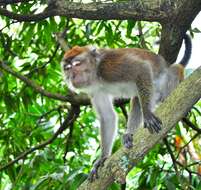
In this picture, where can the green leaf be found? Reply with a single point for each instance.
(130, 26)
(170, 185)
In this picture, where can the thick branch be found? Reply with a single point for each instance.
(170, 112)
(139, 10)
(19, 17)
(155, 10)
(174, 30)
(6, 2)
(73, 99)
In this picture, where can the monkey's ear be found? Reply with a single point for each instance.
(94, 52)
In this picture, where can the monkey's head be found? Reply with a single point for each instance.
(79, 66)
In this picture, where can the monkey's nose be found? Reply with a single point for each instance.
(74, 73)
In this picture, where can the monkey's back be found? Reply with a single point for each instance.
(126, 63)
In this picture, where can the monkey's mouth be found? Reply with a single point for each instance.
(78, 81)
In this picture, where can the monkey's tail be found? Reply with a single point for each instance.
(188, 50)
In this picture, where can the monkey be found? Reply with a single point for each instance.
(106, 74)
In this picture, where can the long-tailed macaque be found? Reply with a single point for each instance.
(105, 74)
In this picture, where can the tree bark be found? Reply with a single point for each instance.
(173, 31)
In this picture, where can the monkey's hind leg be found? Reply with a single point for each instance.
(145, 91)
(134, 121)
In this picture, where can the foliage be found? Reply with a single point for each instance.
(28, 118)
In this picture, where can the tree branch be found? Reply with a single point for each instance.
(73, 99)
(6, 2)
(171, 155)
(191, 125)
(139, 10)
(173, 31)
(72, 116)
(27, 18)
(36, 69)
(188, 170)
(170, 112)
(13, 22)
(186, 145)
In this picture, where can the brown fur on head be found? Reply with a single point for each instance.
(74, 51)
(79, 66)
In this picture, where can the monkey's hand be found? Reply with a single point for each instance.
(152, 123)
(94, 172)
(128, 140)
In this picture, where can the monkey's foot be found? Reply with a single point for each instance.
(152, 123)
(128, 140)
(94, 172)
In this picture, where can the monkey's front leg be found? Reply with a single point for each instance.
(108, 122)
(145, 91)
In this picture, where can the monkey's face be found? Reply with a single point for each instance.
(80, 71)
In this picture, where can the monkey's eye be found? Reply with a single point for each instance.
(76, 63)
(67, 66)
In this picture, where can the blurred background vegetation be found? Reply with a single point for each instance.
(28, 118)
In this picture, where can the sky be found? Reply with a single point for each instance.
(195, 60)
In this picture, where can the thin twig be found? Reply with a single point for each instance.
(72, 116)
(194, 163)
(68, 141)
(61, 41)
(60, 37)
(141, 35)
(187, 169)
(171, 154)
(57, 109)
(13, 22)
(7, 44)
(195, 136)
(45, 64)
(123, 109)
(191, 125)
